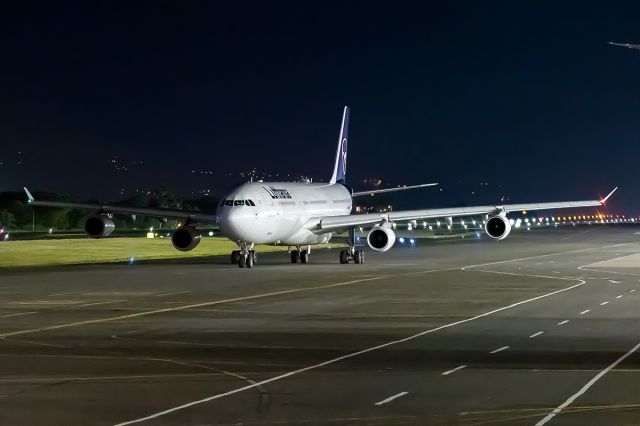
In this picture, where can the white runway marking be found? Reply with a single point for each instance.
(45, 302)
(495, 351)
(458, 368)
(18, 314)
(619, 296)
(172, 293)
(391, 398)
(296, 290)
(195, 305)
(586, 267)
(586, 387)
(98, 378)
(106, 302)
(614, 282)
(632, 290)
(580, 283)
(545, 255)
(586, 311)
(563, 322)
(64, 294)
(615, 258)
(534, 335)
(604, 303)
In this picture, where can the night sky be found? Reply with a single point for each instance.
(526, 96)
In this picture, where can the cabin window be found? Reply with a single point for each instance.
(238, 203)
(228, 202)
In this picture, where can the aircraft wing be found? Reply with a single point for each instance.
(107, 209)
(334, 223)
(627, 45)
(399, 188)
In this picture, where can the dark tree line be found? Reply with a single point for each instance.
(17, 214)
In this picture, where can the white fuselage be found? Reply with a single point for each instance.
(279, 212)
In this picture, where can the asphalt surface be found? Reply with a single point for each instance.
(540, 328)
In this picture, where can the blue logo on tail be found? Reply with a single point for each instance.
(340, 168)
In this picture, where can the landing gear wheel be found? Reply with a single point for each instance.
(358, 256)
(242, 260)
(344, 256)
(295, 255)
(250, 260)
(304, 256)
(235, 256)
(253, 254)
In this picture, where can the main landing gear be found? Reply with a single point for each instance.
(351, 254)
(245, 257)
(300, 255)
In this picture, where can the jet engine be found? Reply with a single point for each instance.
(185, 238)
(498, 227)
(381, 238)
(99, 226)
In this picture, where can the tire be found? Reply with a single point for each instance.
(358, 256)
(304, 256)
(295, 255)
(255, 257)
(242, 261)
(344, 257)
(235, 256)
(250, 260)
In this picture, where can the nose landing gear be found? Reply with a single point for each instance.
(245, 257)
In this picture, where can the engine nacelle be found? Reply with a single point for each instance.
(99, 226)
(381, 238)
(185, 238)
(497, 227)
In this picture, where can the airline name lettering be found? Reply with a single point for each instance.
(278, 193)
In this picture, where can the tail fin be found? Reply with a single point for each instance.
(340, 168)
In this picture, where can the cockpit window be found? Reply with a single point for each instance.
(237, 203)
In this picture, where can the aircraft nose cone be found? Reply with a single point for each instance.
(233, 223)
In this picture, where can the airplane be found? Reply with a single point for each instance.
(303, 214)
(627, 45)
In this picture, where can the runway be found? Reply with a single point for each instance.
(541, 328)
